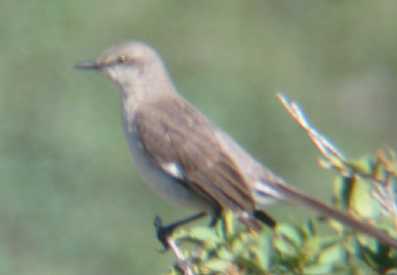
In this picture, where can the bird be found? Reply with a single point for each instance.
(186, 158)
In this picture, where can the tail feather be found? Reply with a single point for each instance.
(266, 192)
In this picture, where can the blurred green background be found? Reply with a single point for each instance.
(71, 201)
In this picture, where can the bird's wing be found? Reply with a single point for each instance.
(183, 143)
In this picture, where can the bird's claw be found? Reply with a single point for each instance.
(163, 232)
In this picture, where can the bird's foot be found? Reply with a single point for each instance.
(163, 232)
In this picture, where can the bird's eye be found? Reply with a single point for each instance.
(122, 59)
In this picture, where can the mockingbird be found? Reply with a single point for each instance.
(185, 157)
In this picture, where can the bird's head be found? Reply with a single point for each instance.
(124, 63)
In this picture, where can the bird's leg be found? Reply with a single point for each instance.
(216, 216)
(163, 232)
(256, 219)
(264, 218)
(252, 221)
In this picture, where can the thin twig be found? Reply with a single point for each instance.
(383, 189)
(324, 145)
(182, 263)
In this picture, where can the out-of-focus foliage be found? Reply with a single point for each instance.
(71, 202)
(303, 249)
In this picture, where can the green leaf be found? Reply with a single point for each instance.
(335, 254)
(205, 234)
(225, 254)
(217, 265)
(308, 228)
(290, 233)
(312, 247)
(265, 251)
(362, 201)
(285, 248)
(318, 269)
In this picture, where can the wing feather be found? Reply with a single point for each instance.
(173, 131)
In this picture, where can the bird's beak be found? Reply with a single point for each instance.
(89, 65)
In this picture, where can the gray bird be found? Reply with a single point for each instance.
(185, 157)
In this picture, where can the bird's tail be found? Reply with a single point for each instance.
(272, 189)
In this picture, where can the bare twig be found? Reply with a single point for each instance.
(383, 191)
(181, 262)
(327, 149)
